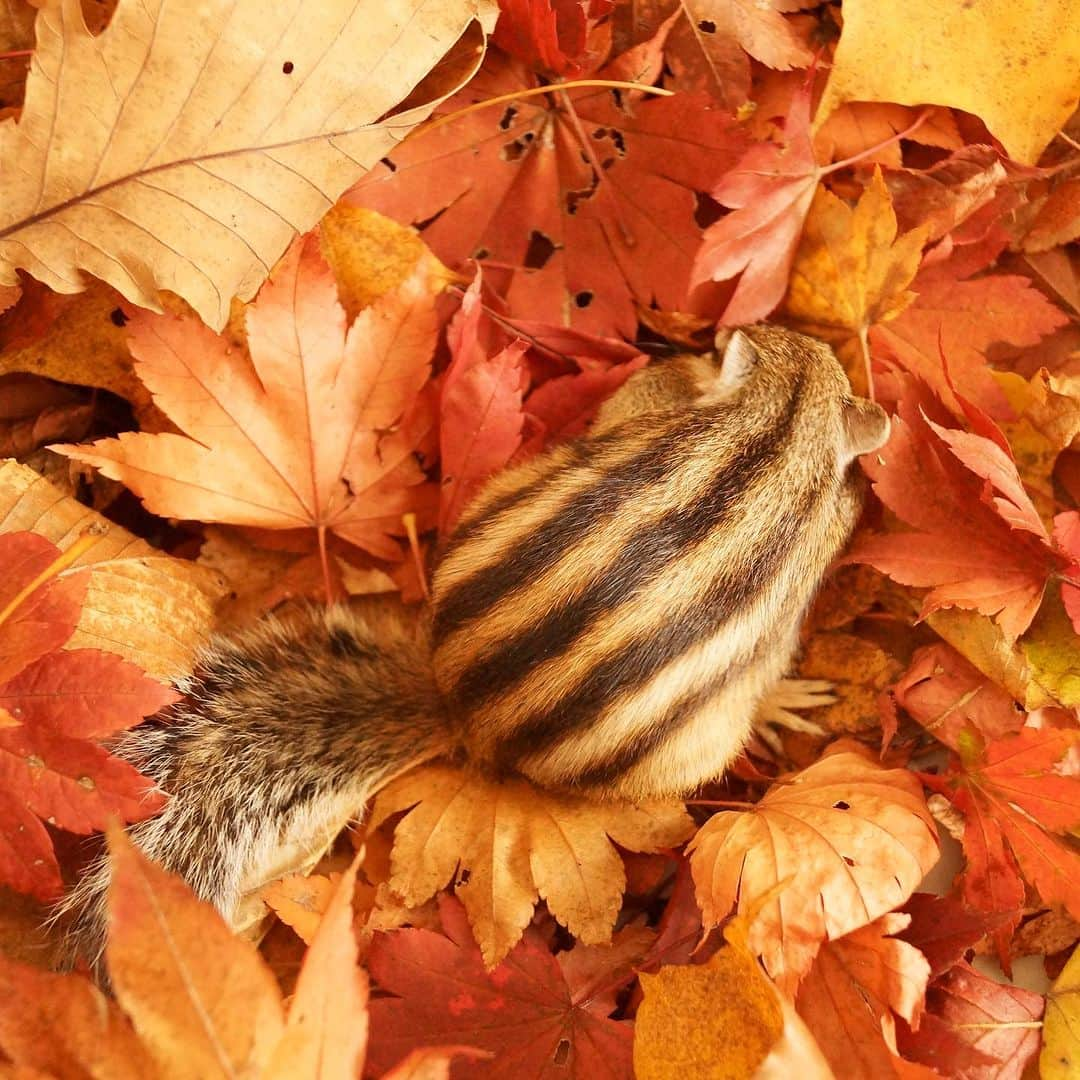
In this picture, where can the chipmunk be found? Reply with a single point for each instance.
(605, 619)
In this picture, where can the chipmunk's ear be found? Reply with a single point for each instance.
(866, 427)
(738, 357)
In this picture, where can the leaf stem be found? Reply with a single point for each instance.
(536, 91)
(324, 559)
(409, 521)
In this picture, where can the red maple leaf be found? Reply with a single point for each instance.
(53, 704)
(1014, 802)
(977, 541)
(586, 196)
(1067, 538)
(943, 929)
(480, 410)
(959, 316)
(543, 1015)
(545, 34)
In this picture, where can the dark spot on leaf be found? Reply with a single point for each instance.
(706, 210)
(514, 151)
(287, 67)
(388, 163)
(540, 249)
(508, 118)
(706, 26)
(562, 1053)
(481, 253)
(583, 299)
(841, 805)
(464, 875)
(849, 861)
(117, 317)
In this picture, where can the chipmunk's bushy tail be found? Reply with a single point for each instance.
(283, 733)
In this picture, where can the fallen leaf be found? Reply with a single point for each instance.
(480, 409)
(770, 190)
(218, 133)
(851, 993)
(326, 1028)
(312, 433)
(760, 28)
(859, 671)
(546, 34)
(959, 317)
(65, 1026)
(976, 1025)
(853, 840)
(947, 53)
(505, 843)
(300, 901)
(717, 1020)
(588, 196)
(851, 271)
(964, 545)
(148, 607)
(1060, 1055)
(528, 1011)
(943, 929)
(35, 411)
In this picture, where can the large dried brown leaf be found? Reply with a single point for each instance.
(186, 145)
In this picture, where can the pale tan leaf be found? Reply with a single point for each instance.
(847, 839)
(184, 147)
(505, 844)
(148, 607)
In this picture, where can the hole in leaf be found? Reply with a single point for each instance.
(540, 249)
(849, 861)
(117, 317)
(287, 67)
(583, 299)
(463, 876)
(619, 141)
(481, 253)
(706, 210)
(388, 163)
(508, 117)
(841, 805)
(562, 1053)
(706, 26)
(575, 197)
(514, 151)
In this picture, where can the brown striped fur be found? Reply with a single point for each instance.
(606, 618)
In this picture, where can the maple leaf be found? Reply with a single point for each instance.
(851, 271)
(1013, 802)
(505, 843)
(771, 189)
(196, 173)
(1067, 537)
(317, 431)
(943, 929)
(852, 840)
(586, 195)
(545, 34)
(850, 995)
(759, 28)
(977, 549)
(148, 607)
(954, 701)
(480, 409)
(52, 705)
(958, 317)
(540, 1015)
(976, 1027)
(946, 54)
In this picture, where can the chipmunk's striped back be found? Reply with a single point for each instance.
(608, 616)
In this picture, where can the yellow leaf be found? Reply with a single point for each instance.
(851, 271)
(859, 669)
(185, 146)
(301, 901)
(504, 844)
(716, 1021)
(371, 255)
(1052, 648)
(1015, 63)
(146, 606)
(1060, 1058)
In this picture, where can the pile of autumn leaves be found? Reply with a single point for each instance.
(339, 423)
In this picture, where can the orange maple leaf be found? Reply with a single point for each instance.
(318, 430)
